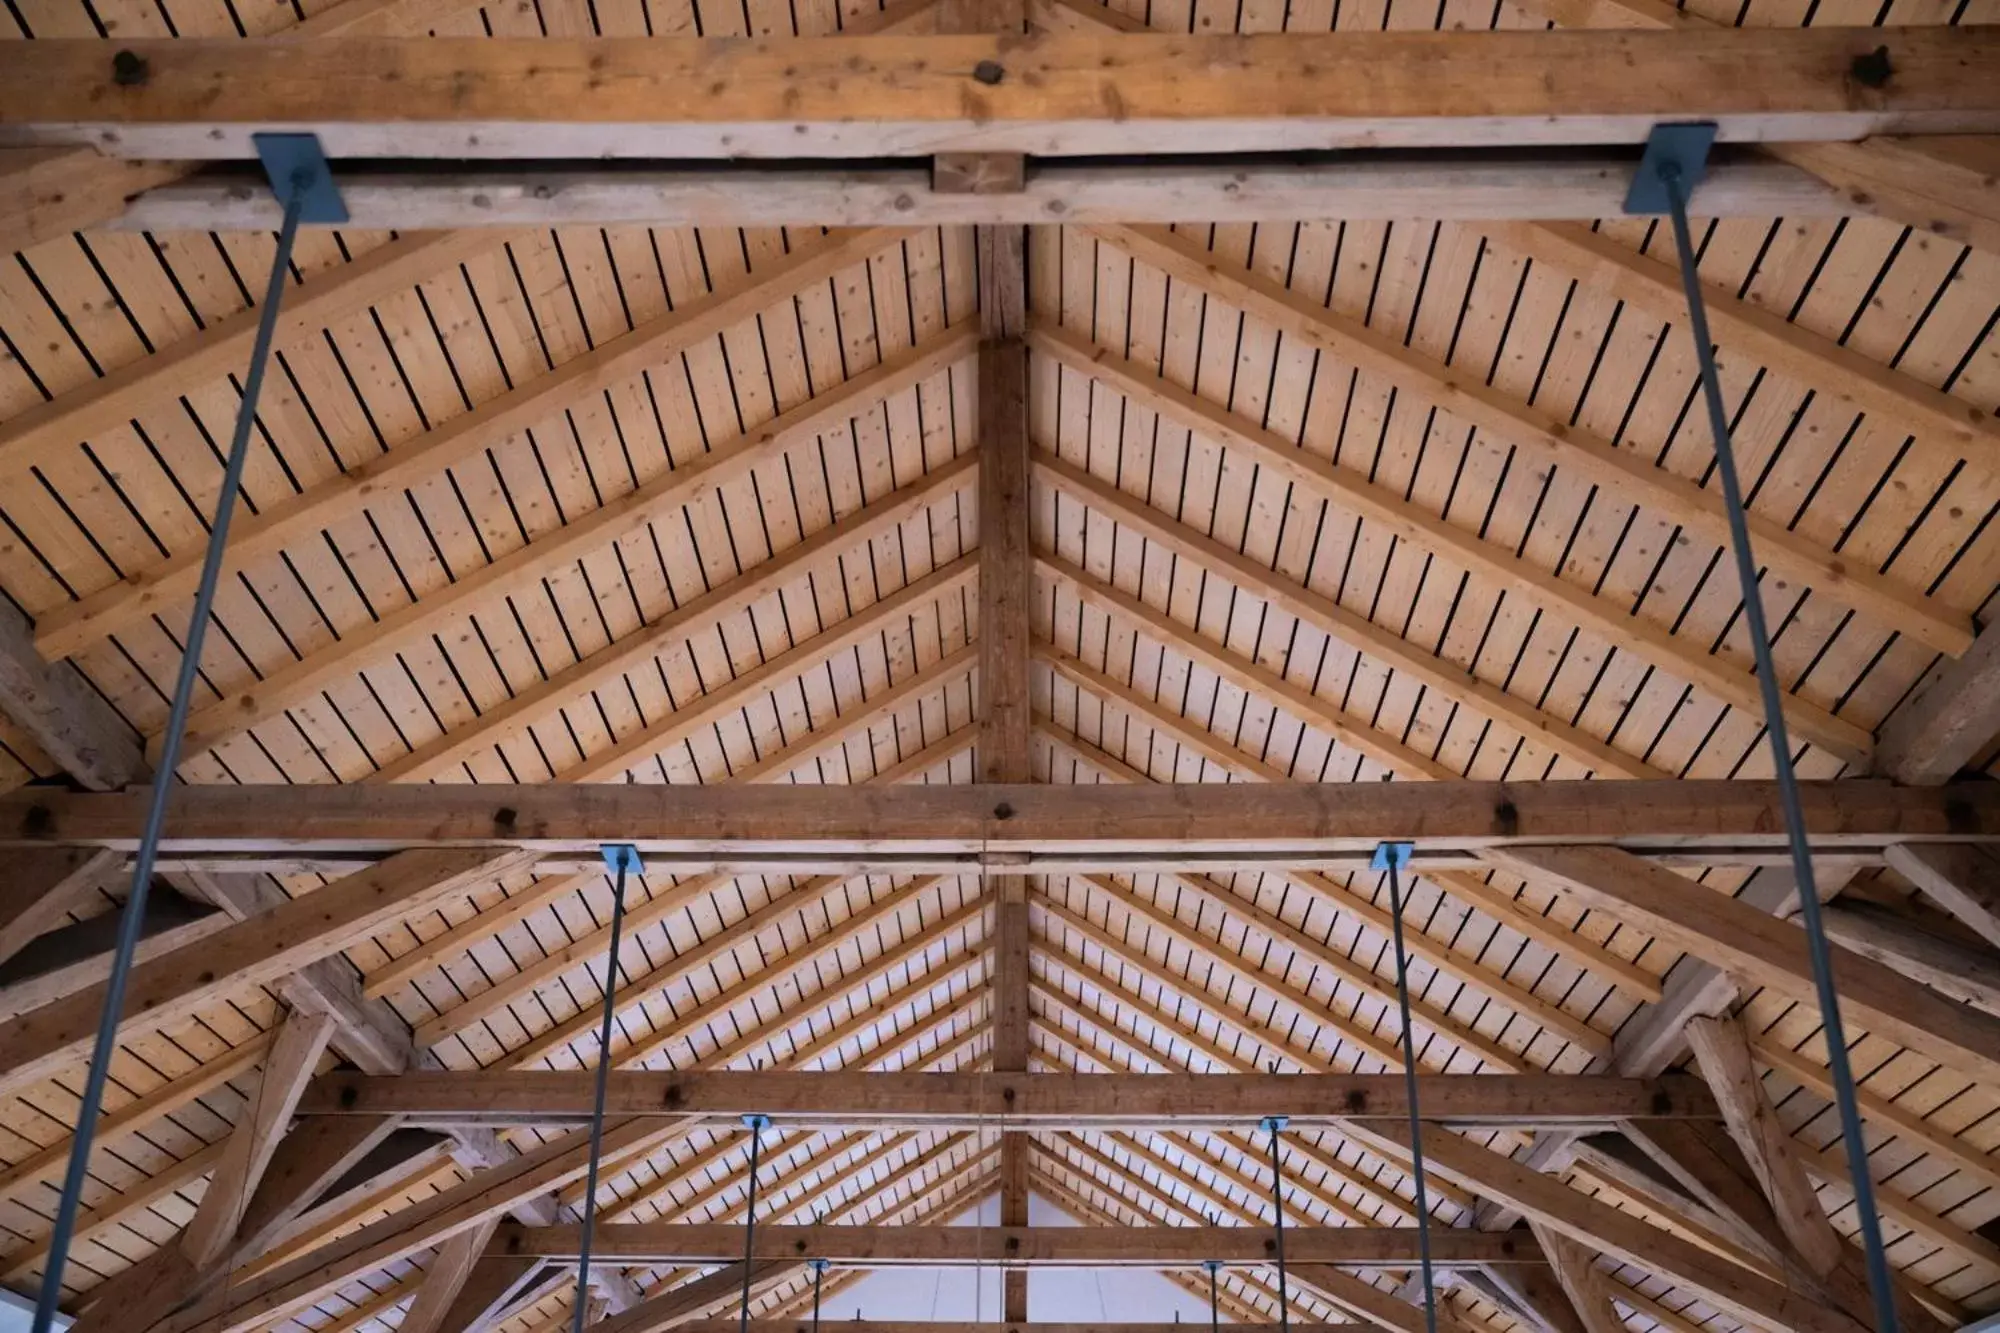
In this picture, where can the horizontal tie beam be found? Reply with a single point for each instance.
(1017, 1247)
(1024, 1101)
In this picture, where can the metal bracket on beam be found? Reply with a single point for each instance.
(1392, 856)
(621, 858)
(297, 166)
(1673, 152)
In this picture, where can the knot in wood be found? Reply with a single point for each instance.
(989, 72)
(130, 70)
(1872, 70)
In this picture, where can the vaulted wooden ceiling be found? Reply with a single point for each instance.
(1312, 501)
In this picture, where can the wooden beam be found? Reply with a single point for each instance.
(1589, 1294)
(312, 1159)
(1738, 938)
(1948, 721)
(164, 1184)
(73, 956)
(946, 1326)
(261, 949)
(293, 1060)
(446, 1276)
(1548, 437)
(1016, 1246)
(1966, 971)
(1577, 185)
(1965, 881)
(1299, 824)
(302, 1281)
(883, 96)
(40, 889)
(1148, 388)
(489, 1287)
(1899, 402)
(1729, 1287)
(50, 192)
(62, 713)
(1029, 1100)
(372, 1036)
(1724, 1055)
(1941, 186)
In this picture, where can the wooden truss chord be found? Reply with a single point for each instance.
(1088, 1247)
(1741, 940)
(1028, 1100)
(1089, 94)
(1298, 824)
(1577, 185)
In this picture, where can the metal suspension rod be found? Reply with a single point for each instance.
(819, 1267)
(1214, 1267)
(1274, 1125)
(132, 920)
(1394, 856)
(1676, 185)
(756, 1124)
(622, 859)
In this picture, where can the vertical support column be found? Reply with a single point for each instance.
(1006, 585)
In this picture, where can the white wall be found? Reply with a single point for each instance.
(1109, 1295)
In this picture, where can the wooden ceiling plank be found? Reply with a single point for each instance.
(115, 1210)
(59, 710)
(1740, 939)
(1271, 1037)
(1734, 686)
(1821, 364)
(1341, 896)
(497, 725)
(1329, 1163)
(1730, 1287)
(1963, 881)
(213, 353)
(1885, 1115)
(465, 436)
(261, 949)
(803, 657)
(1546, 435)
(615, 519)
(443, 97)
(1931, 183)
(1210, 1152)
(41, 888)
(135, 1115)
(786, 966)
(432, 954)
(1468, 887)
(1527, 720)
